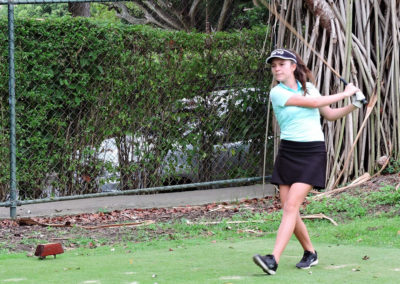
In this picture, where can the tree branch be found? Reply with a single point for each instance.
(164, 16)
(193, 11)
(176, 13)
(122, 12)
(224, 13)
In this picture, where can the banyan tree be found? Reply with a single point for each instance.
(360, 40)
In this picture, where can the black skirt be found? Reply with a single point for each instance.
(303, 162)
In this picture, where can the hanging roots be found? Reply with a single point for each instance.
(323, 10)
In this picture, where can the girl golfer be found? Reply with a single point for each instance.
(301, 161)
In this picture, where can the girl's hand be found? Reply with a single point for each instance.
(350, 90)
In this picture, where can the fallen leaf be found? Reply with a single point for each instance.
(366, 257)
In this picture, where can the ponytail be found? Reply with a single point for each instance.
(302, 73)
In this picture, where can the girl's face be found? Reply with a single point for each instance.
(283, 69)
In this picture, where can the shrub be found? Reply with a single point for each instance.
(80, 82)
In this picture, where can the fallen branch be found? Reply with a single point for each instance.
(32, 222)
(370, 107)
(136, 224)
(319, 216)
(221, 208)
(229, 222)
(60, 239)
(250, 231)
(357, 182)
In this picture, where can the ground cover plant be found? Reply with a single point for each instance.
(163, 245)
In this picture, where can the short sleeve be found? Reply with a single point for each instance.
(279, 98)
(312, 90)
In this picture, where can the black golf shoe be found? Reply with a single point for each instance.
(309, 259)
(267, 263)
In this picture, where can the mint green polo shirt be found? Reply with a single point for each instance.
(301, 124)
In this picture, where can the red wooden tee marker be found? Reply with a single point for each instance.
(48, 249)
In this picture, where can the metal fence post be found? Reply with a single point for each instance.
(13, 182)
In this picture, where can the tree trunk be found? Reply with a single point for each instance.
(79, 9)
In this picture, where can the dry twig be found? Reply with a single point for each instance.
(135, 224)
(319, 216)
(229, 222)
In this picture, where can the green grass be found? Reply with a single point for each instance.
(225, 258)
(363, 248)
(368, 231)
(204, 261)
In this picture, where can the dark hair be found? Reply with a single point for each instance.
(302, 73)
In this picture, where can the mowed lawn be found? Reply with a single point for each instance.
(203, 261)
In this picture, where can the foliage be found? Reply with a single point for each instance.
(387, 195)
(37, 11)
(347, 205)
(245, 16)
(393, 167)
(352, 206)
(99, 12)
(79, 82)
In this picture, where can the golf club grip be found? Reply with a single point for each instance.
(344, 81)
(364, 101)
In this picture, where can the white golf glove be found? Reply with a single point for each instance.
(358, 99)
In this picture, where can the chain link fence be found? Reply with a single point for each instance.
(112, 107)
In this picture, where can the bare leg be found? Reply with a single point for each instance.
(291, 216)
(300, 229)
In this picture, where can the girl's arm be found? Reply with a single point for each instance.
(322, 101)
(335, 113)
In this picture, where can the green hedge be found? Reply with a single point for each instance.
(80, 82)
